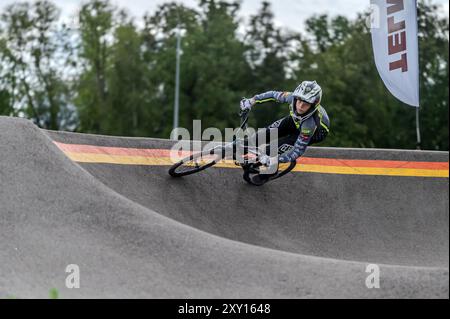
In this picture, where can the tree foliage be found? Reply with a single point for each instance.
(116, 76)
(32, 73)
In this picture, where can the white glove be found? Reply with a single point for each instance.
(247, 104)
(265, 160)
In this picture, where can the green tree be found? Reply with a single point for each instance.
(268, 54)
(119, 79)
(338, 54)
(215, 60)
(6, 107)
(159, 43)
(96, 20)
(34, 71)
(128, 86)
(434, 48)
(214, 68)
(16, 27)
(5, 103)
(324, 57)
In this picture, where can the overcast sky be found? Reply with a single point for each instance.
(288, 13)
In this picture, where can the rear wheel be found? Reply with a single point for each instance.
(285, 168)
(197, 163)
(257, 179)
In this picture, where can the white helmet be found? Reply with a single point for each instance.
(309, 92)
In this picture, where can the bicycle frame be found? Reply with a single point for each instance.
(249, 165)
(238, 142)
(244, 125)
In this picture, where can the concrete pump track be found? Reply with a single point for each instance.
(108, 205)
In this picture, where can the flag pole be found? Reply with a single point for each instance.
(176, 111)
(419, 138)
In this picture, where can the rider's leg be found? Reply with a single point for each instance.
(283, 141)
(283, 131)
(275, 131)
(287, 133)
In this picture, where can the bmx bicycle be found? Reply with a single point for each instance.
(248, 159)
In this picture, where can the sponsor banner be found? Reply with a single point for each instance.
(396, 49)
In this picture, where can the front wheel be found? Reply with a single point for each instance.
(197, 162)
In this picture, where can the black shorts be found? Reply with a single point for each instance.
(288, 134)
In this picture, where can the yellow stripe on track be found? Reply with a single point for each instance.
(118, 159)
(372, 171)
(324, 169)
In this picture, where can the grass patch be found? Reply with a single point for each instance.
(54, 294)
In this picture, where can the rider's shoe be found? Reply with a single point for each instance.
(251, 168)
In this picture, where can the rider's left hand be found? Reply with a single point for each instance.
(247, 104)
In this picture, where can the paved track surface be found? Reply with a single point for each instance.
(137, 233)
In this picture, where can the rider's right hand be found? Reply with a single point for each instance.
(247, 104)
(265, 160)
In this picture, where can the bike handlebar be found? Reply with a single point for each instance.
(244, 117)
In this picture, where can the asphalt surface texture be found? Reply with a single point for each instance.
(135, 232)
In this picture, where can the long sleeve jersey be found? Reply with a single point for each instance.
(315, 121)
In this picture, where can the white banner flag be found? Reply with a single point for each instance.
(396, 47)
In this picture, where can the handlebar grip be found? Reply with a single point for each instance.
(243, 113)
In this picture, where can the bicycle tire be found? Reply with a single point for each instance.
(173, 171)
(260, 182)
